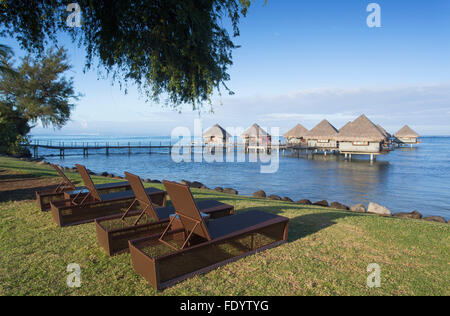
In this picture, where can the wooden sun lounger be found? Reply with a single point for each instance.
(193, 245)
(85, 208)
(114, 238)
(44, 197)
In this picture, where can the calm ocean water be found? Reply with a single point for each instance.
(404, 180)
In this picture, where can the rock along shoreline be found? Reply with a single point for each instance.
(372, 208)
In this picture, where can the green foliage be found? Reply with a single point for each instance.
(36, 91)
(176, 49)
(11, 140)
(40, 91)
(5, 53)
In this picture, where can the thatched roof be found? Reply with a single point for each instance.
(323, 130)
(345, 126)
(298, 131)
(255, 131)
(361, 129)
(383, 131)
(216, 131)
(406, 131)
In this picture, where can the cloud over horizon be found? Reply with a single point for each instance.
(425, 108)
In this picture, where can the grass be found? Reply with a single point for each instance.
(112, 224)
(327, 254)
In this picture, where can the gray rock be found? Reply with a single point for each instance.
(105, 174)
(287, 199)
(323, 203)
(218, 189)
(437, 219)
(412, 215)
(196, 185)
(259, 194)
(375, 208)
(185, 182)
(358, 208)
(205, 188)
(274, 197)
(304, 202)
(339, 206)
(230, 191)
(148, 181)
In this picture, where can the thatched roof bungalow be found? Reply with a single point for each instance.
(322, 136)
(360, 136)
(216, 135)
(255, 135)
(406, 136)
(296, 135)
(384, 132)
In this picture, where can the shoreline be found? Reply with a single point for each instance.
(372, 208)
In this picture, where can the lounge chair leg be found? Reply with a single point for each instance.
(187, 239)
(128, 210)
(74, 200)
(85, 198)
(161, 238)
(140, 215)
(60, 185)
(190, 235)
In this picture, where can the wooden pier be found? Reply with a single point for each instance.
(127, 148)
(63, 147)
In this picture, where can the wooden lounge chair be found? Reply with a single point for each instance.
(86, 207)
(191, 245)
(115, 240)
(44, 197)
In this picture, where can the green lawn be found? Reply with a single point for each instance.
(327, 254)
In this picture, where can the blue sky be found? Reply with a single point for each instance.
(300, 62)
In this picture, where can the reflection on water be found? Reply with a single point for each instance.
(404, 180)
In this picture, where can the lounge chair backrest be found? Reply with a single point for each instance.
(186, 208)
(140, 194)
(66, 180)
(88, 182)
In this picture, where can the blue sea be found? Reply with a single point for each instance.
(404, 180)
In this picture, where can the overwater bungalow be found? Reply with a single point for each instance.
(256, 138)
(296, 136)
(384, 132)
(216, 135)
(361, 137)
(322, 136)
(406, 136)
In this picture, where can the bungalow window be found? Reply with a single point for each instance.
(360, 143)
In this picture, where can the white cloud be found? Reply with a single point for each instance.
(305, 117)
(425, 108)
